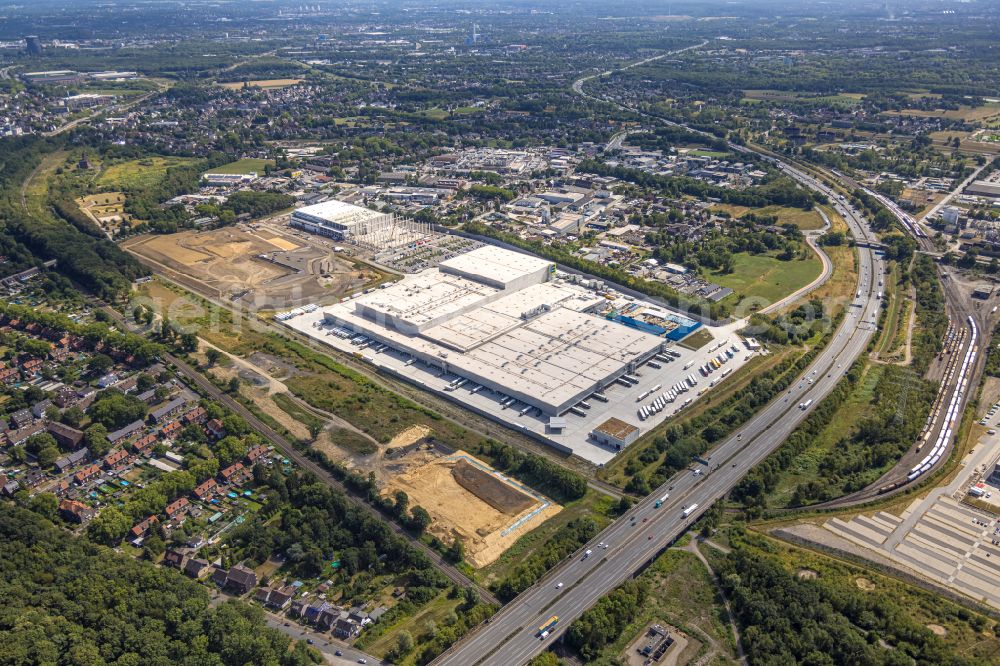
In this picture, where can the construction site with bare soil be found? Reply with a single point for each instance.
(255, 264)
(469, 500)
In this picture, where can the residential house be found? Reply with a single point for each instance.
(66, 437)
(21, 418)
(107, 380)
(197, 567)
(238, 580)
(78, 512)
(126, 432)
(281, 598)
(163, 413)
(344, 629)
(128, 384)
(204, 491)
(358, 616)
(175, 558)
(65, 397)
(38, 409)
(117, 459)
(196, 415)
(328, 618)
(143, 527)
(86, 474)
(236, 474)
(71, 460)
(215, 429)
(256, 453)
(177, 508)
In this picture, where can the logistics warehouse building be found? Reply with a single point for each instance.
(497, 318)
(340, 220)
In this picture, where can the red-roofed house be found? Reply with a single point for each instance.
(236, 474)
(204, 491)
(141, 528)
(177, 507)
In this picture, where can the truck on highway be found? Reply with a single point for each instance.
(689, 510)
(805, 405)
(550, 624)
(587, 553)
(660, 501)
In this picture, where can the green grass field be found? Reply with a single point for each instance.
(246, 165)
(138, 174)
(763, 276)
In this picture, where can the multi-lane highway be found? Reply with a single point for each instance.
(511, 637)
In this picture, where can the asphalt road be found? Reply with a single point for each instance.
(634, 541)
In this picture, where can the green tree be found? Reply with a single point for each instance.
(109, 527)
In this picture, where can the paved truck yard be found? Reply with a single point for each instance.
(555, 356)
(939, 536)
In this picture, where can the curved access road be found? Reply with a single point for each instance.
(624, 548)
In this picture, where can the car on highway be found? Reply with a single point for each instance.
(587, 553)
(559, 586)
(339, 653)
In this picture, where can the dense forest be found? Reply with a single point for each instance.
(67, 601)
(96, 263)
(785, 619)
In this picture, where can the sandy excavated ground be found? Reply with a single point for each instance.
(470, 501)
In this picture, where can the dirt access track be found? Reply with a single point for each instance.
(257, 266)
(469, 500)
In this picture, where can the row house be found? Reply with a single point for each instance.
(31, 366)
(236, 474)
(256, 453)
(196, 415)
(126, 432)
(75, 511)
(87, 473)
(144, 444)
(21, 435)
(177, 508)
(215, 429)
(172, 429)
(171, 408)
(71, 460)
(9, 375)
(117, 459)
(143, 527)
(206, 490)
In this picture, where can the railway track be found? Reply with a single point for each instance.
(300, 459)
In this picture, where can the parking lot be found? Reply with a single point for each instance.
(624, 401)
(948, 535)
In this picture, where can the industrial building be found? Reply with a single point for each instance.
(340, 220)
(494, 317)
(563, 358)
